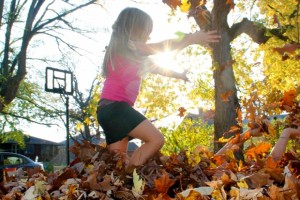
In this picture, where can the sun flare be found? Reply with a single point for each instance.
(167, 60)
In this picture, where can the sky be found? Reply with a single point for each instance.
(95, 16)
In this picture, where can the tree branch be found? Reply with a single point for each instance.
(254, 30)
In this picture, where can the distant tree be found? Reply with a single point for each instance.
(25, 25)
(83, 112)
(43, 18)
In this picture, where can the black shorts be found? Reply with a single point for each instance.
(117, 120)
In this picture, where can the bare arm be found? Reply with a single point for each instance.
(280, 146)
(202, 38)
(169, 73)
(256, 132)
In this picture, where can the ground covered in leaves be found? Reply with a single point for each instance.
(97, 173)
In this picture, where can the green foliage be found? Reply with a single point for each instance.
(160, 96)
(14, 135)
(187, 136)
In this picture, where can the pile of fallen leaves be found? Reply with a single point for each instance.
(97, 173)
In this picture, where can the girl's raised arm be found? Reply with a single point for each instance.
(199, 37)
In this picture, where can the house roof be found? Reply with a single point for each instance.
(33, 140)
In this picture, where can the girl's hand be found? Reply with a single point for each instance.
(183, 76)
(204, 38)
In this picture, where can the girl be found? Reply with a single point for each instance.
(124, 62)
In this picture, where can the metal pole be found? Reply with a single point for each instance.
(67, 128)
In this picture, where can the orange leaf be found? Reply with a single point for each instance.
(288, 98)
(181, 111)
(172, 3)
(226, 95)
(194, 195)
(260, 149)
(231, 3)
(270, 163)
(163, 183)
(239, 115)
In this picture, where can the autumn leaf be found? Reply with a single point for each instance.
(68, 173)
(234, 129)
(185, 6)
(287, 48)
(239, 115)
(193, 195)
(181, 111)
(189, 193)
(288, 98)
(163, 183)
(270, 163)
(226, 95)
(172, 3)
(275, 192)
(276, 21)
(40, 188)
(290, 188)
(244, 193)
(224, 140)
(242, 184)
(261, 149)
(138, 185)
(257, 180)
(231, 3)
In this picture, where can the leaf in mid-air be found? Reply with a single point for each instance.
(185, 6)
(172, 3)
(181, 111)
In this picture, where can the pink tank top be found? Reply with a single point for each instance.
(123, 83)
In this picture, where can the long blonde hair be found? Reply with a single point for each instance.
(132, 24)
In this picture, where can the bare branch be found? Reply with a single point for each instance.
(254, 30)
(1, 12)
(59, 17)
(26, 118)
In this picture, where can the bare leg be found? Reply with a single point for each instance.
(153, 142)
(120, 147)
(280, 146)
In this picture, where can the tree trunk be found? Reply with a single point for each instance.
(226, 101)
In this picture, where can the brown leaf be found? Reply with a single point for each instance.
(290, 188)
(275, 193)
(288, 48)
(105, 185)
(68, 173)
(163, 183)
(257, 180)
(181, 111)
(276, 21)
(275, 173)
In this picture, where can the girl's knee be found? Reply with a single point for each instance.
(160, 141)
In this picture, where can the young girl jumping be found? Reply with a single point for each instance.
(124, 62)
